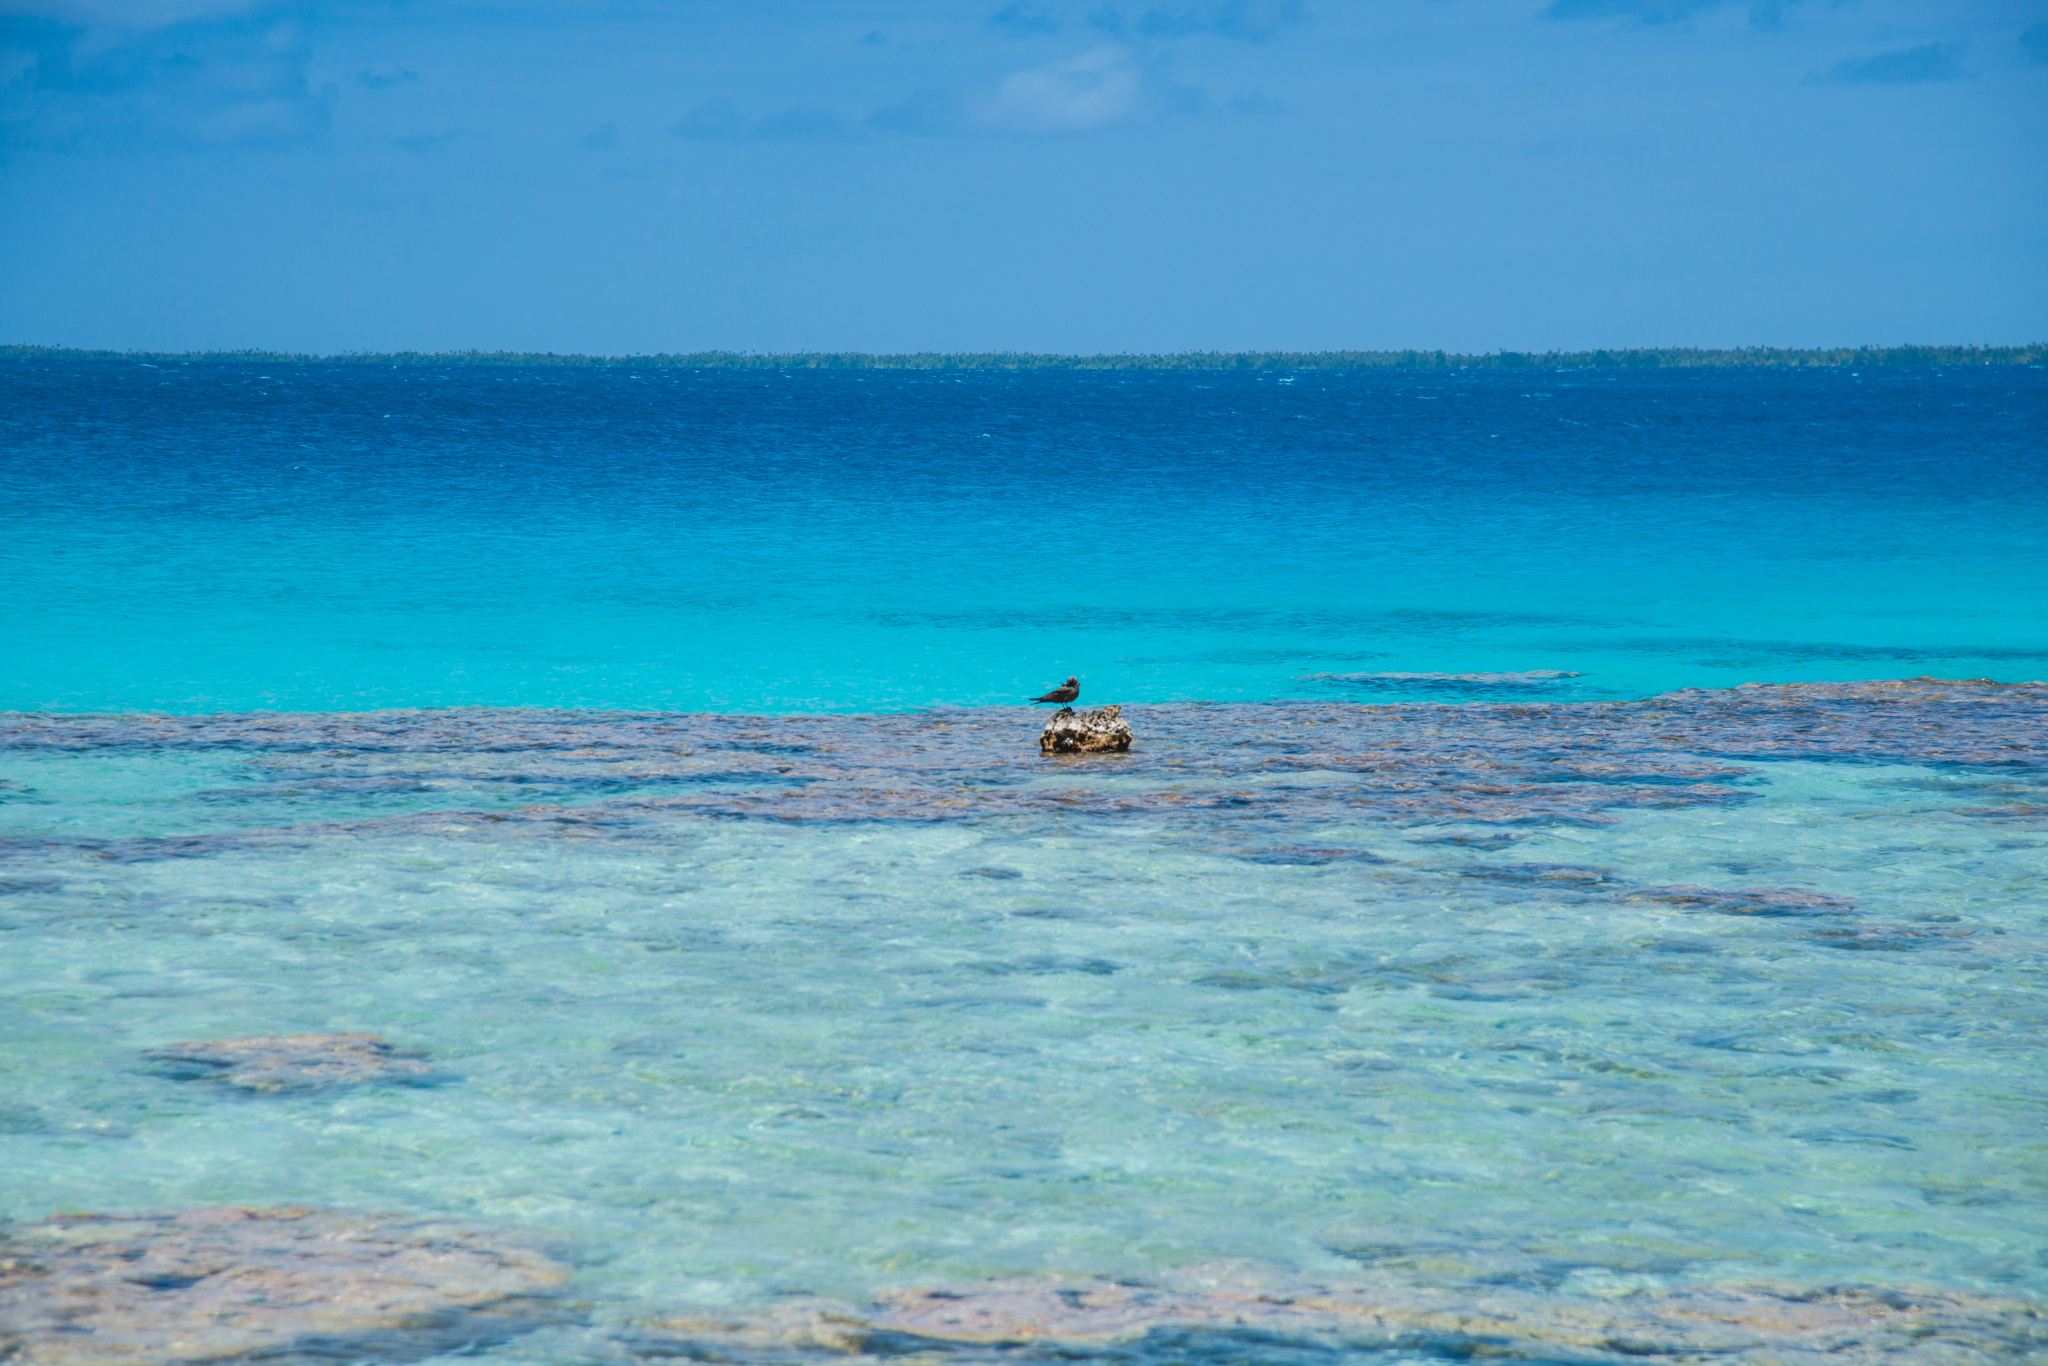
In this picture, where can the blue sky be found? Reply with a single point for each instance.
(1095, 175)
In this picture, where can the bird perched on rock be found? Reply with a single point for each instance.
(1064, 694)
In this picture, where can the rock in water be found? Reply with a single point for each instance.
(1099, 730)
(297, 1062)
(210, 1285)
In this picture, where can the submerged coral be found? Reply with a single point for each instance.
(1842, 1326)
(235, 1284)
(296, 1062)
(238, 1284)
(599, 774)
(1748, 901)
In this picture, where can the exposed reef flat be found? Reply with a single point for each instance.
(1274, 766)
(235, 1284)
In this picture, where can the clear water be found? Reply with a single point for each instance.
(232, 538)
(810, 1001)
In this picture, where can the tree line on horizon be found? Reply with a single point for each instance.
(1641, 358)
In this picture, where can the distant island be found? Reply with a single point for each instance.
(1644, 358)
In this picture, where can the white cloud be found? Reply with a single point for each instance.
(1101, 86)
(1108, 84)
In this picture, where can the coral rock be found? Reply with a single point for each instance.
(210, 1285)
(1101, 730)
(297, 1062)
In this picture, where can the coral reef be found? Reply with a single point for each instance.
(296, 1062)
(1497, 763)
(1076, 1318)
(225, 1284)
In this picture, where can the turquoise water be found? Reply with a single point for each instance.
(811, 976)
(227, 538)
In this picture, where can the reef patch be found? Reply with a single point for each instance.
(1191, 1319)
(1747, 901)
(603, 775)
(297, 1062)
(234, 1284)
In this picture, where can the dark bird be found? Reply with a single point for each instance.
(1064, 694)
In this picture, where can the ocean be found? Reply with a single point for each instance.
(1576, 892)
(233, 538)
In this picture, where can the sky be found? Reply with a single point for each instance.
(1040, 175)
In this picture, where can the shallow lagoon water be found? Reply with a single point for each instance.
(1576, 998)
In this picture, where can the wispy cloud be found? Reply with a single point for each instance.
(1024, 20)
(1763, 14)
(1100, 86)
(384, 80)
(1252, 21)
(1646, 11)
(216, 83)
(424, 143)
(722, 121)
(1106, 85)
(2034, 42)
(1769, 14)
(928, 111)
(712, 121)
(602, 138)
(1901, 66)
(801, 123)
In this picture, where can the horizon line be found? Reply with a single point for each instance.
(1668, 357)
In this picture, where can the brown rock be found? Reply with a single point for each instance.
(1103, 730)
(297, 1062)
(208, 1285)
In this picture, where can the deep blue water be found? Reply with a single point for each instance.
(227, 537)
